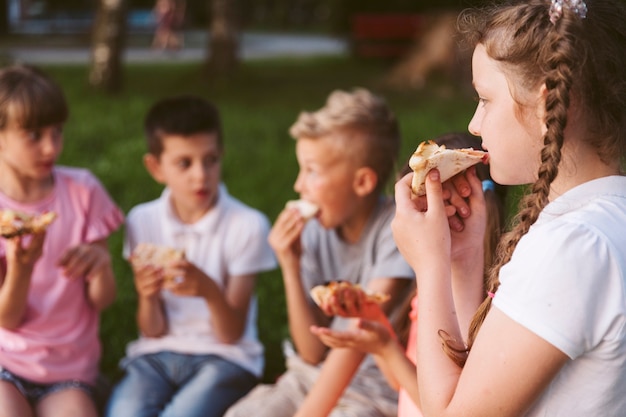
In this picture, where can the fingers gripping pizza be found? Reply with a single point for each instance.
(148, 254)
(15, 223)
(449, 162)
(322, 294)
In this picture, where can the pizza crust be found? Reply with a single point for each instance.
(16, 223)
(449, 162)
(321, 294)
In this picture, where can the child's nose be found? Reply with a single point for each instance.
(297, 186)
(50, 144)
(474, 126)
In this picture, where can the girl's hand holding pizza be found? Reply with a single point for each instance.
(420, 227)
(24, 251)
(87, 260)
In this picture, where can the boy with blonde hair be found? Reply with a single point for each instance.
(346, 151)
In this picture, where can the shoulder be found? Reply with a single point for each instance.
(567, 273)
(147, 210)
(73, 176)
(240, 214)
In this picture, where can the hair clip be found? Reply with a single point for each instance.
(577, 6)
(488, 185)
(491, 294)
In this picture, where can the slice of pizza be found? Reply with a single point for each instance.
(307, 209)
(322, 294)
(158, 256)
(449, 162)
(15, 223)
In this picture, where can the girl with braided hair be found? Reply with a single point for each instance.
(549, 339)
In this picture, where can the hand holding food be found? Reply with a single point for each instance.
(347, 299)
(449, 162)
(15, 223)
(307, 209)
(149, 254)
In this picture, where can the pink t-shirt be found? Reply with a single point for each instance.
(406, 406)
(58, 339)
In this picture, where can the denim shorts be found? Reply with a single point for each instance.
(34, 391)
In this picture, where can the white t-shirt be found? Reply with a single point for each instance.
(230, 240)
(566, 282)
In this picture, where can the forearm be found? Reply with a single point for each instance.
(227, 322)
(151, 317)
(437, 374)
(301, 317)
(398, 369)
(335, 375)
(468, 291)
(13, 299)
(101, 289)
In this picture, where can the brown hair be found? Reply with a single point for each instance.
(30, 99)
(183, 115)
(367, 124)
(577, 59)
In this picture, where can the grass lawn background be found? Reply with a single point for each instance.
(258, 104)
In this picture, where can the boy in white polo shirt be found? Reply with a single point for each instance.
(198, 351)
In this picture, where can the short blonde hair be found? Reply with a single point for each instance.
(373, 135)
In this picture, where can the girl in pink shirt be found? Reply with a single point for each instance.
(53, 284)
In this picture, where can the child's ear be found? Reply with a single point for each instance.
(153, 166)
(365, 181)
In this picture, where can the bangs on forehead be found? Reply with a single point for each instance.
(35, 109)
(34, 102)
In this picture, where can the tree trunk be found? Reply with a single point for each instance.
(223, 37)
(4, 17)
(107, 47)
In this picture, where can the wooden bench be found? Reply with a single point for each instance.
(384, 35)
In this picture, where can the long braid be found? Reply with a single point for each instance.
(558, 52)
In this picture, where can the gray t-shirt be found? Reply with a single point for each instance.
(328, 258)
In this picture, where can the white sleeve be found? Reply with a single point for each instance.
(563, 284)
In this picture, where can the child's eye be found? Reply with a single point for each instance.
(212, 160)
(33, 135)
(480, 100)
(184, 163)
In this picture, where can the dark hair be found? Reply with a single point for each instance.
(30, 99)
(579, 60)
(183, 115)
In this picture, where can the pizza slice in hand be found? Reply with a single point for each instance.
(157, 256)
(346, 299)
(16, 223)
(449, 162)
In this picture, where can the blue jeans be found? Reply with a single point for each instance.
(34, 392)
(168, 384)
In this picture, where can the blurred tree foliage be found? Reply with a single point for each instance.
(284, 15)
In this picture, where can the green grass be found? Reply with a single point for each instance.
(258, 105)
